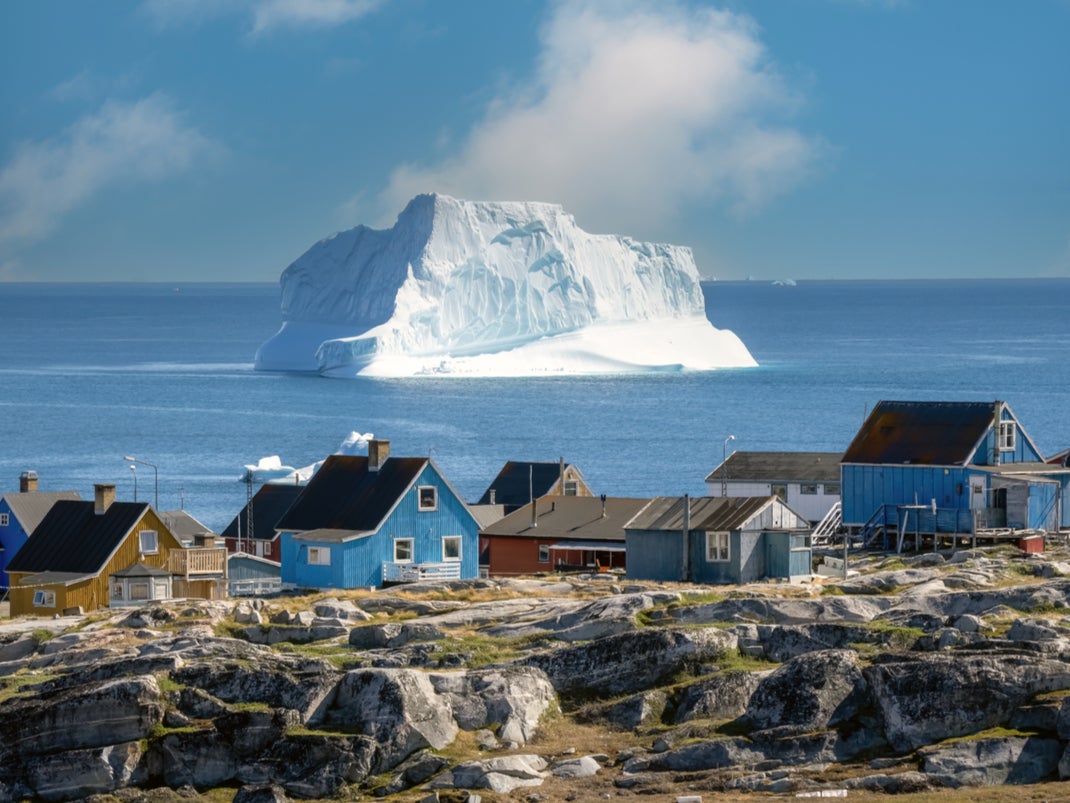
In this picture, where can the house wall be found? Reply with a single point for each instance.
(653, 555)
(96, 592)
(12, 537)
(359, 562)
(512, 556)
(261, 547)
(571, 474)
(1023, 452)
(866, 487)
(786, 555)
(812, 507)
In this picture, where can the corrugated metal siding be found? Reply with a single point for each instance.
(248, 569)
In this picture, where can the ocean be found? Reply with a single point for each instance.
(92, 372)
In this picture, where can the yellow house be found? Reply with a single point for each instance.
(67, 561)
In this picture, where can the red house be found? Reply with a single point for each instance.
(559, 533)
(252, 531)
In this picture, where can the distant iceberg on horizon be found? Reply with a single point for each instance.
(465, 288)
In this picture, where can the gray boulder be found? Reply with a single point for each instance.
(398, 708)
(582, 767)
(813, 691)
(928, 698)
(514, 697)
(194, 758)
(393, 635)
(500, 774)
(721, 696)
(631, 662)
(340, 609)
(990, 762)
(95, 715)
(76, 773)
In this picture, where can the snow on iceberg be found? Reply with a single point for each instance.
(493, 289)
(271, 470)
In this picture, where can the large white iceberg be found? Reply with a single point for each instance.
(493, 289)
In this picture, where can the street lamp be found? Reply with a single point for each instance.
(155, 476)
(133, 470)
(724, 465)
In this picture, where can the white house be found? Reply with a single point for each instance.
(809, 482)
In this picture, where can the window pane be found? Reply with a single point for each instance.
(451, 547)
(428, 497)
(403, 549)
(544, 553)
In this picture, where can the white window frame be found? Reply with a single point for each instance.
(808, 489)
(572, 488)
(544, 553)
(433, 505)
(155, 537)
(4, 519)
(1007, 436)
(412, 550)
(140, 590)
(718, 546)
(459, 540)
(43, 598)
(319, 556)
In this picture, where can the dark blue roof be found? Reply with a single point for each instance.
(519, 482)
(344, 495)
(73, 538)
(269, 504)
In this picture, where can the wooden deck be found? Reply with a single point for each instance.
(198, 562)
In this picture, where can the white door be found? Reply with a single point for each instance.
(978, 493)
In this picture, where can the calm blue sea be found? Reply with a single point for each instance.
(89, 373)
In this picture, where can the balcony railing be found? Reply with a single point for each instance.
(198, 562)
(415, 572)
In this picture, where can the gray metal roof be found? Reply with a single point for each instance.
(141, 570)
(182, 525)
(31, 507)
(720, 513)
(570, 517)
(54, 579)
(328, 535)
(779, 467)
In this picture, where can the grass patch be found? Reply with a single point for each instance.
(992, 733)
(166, 684)
(18, 684)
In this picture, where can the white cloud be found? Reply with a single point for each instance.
(122, 143)
(634, 111)
(264, 15)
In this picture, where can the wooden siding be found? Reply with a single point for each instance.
(653, 554)
(513, 556)
(359, 563)
(271, 549)
(95, 593)
(865, 488)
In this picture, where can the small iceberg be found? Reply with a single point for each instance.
(784, 283)
(266, 469)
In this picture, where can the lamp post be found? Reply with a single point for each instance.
(155, 477)
(724, 465)
(133, 470)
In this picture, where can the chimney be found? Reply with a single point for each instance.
(603, 506)
(534, 512)
(103, 496)
(686, 552)
(28, 482)
(493, 497)
(378, 452)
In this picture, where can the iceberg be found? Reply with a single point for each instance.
(271, 470)
(493, 289)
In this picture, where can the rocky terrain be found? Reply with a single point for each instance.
(923, 673)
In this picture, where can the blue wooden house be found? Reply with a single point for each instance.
(717, 540)
(949, 467)
(368, 521)
(20, 513)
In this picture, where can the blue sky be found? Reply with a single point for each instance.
(216, 140)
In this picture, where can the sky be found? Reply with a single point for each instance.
(217, 140)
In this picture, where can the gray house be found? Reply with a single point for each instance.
(717, 540)
(808, 481)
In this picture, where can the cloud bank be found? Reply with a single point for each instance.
(264, 15)
(634, 111)
(122, 143)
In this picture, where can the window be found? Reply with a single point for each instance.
(717, 550)
(428, 497)
(832, 489)
(149, 542)
(780, 490)
(451, 547)
(139, 591)
(319, 556)
(3, 519)
(572, 488)
(808, 489)
(117, 590)
(44, 599)
(1006, 436)
(402, 550)
(544, 553)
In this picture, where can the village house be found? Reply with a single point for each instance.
(718, 540)
(519, 482)
(253, 531)
(809, 482)
(369, 521)
(559, 533)
(948, 468)
(20, 513)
